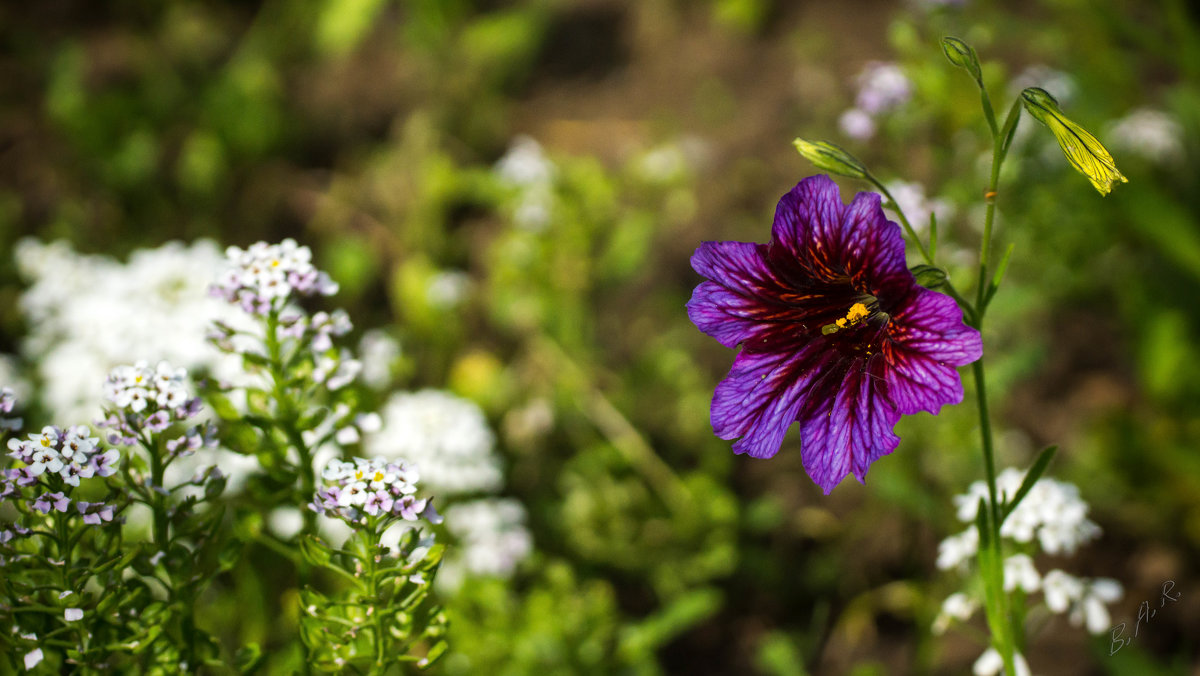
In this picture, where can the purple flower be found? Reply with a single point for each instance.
(106, 463)
(95, 512)
(158, 421)
(835, 332)
(409, 508)
(46, 501)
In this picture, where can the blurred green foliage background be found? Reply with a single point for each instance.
(370, 130)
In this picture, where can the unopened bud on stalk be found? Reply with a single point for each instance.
(831, 158)
(963, 55)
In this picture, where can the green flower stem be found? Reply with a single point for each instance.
(157, 469)
(968, 309)
(288, 418)
(380, 664)
(990, 559)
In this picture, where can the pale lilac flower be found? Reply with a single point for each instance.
(157, 421)
(857, 124)
(48, 501)
(409, 508)
(881, 87)
(95, 512)
(106, 463)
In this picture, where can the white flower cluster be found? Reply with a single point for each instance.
(264, 276)
(371, 488)
(71, 454)
(1054, 516)
(446, 436)
(138, 388)
(881, 87)
(450, 440)
(526, 168)
(1052, 511)
(156, 304)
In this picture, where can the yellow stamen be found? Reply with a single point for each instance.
(857, 313)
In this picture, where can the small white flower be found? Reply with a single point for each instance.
(1090, 609)
(33, 658)
(1061, 590)
(73, 614)
(990, 664)
(956, 550)
(957, 606)
(1020, 572)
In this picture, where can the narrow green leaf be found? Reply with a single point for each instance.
(932, 236)
(999, 276)
(1035, 472)
(982, 524)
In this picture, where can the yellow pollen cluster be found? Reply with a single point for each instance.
(857, 313)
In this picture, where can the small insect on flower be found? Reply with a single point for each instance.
(836, 334)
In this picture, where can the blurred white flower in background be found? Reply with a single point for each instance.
(88, 314)
(990, 664)
(857, 124)
(910, 197)
(1062, 86)
(448, 438)
(492, 536)
(526, 168)
(1150, 134)
(378, 351)
(881, 87)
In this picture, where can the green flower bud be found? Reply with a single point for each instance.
(1082, 149)
(963, 55)
(831, 158)
(929, 276)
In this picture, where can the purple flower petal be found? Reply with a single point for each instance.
(834, 330)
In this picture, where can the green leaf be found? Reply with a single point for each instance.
(248, 658)
(315, 552)
(1035, 472)
(999, 276)
(981, 523)
(932, 236)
